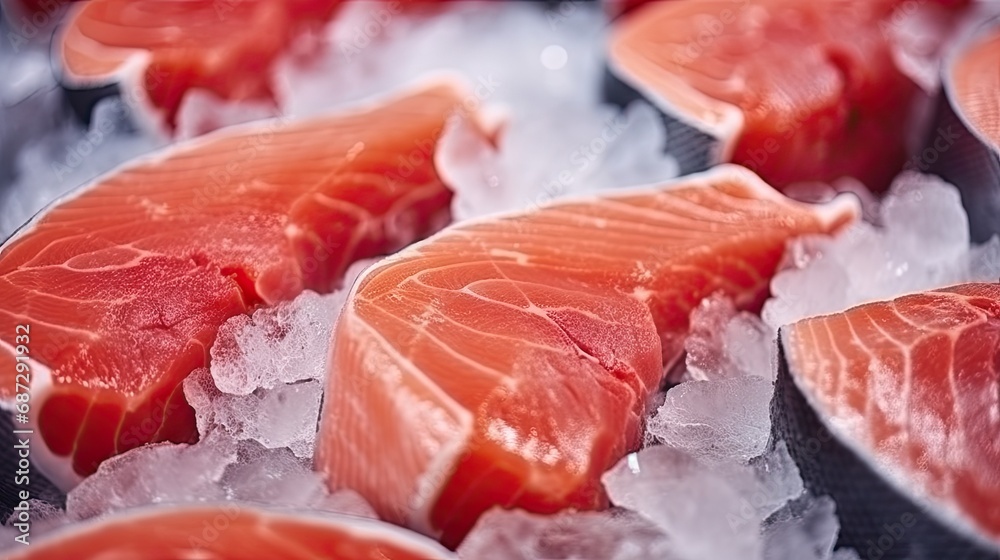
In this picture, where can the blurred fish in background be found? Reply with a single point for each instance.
(30, 100)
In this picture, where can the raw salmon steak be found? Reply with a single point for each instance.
(507, 361)
(964, 145)
(796, 91)
(232, 531)
(155, 51)
(893, 408)
(117, 292)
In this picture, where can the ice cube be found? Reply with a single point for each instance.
(288, 417)
(819, 287)
(285, 416)
(926, 218)
(200, 392)
(778, 480)
(472, 166)
(461, 39)
(267, 371)
(635, 156)
(723, 343)
(697, 508)
(551, 154)
(558, 139)
(518, 535)
(716, 421)
(706, 356)
(923, 244)
(282, 344)
(750, 345)
(806, 529)
(163, 472)
(214, 469)
(273, 476)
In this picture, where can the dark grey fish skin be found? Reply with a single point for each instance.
(956, 154)
(39, 487)
(876, 519)
(693, 149)
(83, 101)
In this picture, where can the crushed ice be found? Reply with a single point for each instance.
(257, 409)
(277, 344)
(742, 349)
(710, 484)
(715, 421)
(518, 535)
(707, 486)
(557, 138)
(923, 243)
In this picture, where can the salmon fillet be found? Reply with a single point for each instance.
(507, 361)
(157, 50)
(115, 294)
(912, 386)
(796, 91)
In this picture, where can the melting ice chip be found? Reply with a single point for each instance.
(727, 420)
(691, 504)
(154, 474)
(726, 343)
(633, 463)
(805, 529)
(277, 476)
(285, 343)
